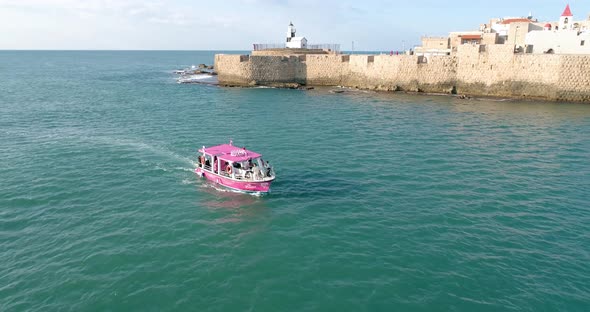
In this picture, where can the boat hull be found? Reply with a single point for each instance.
(242, 186)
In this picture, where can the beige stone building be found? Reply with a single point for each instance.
(434, 46)
(471, 37)
(508, 30)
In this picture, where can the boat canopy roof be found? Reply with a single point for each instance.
(230, 152)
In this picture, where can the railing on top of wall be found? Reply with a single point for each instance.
(323, 46)
(268, 46)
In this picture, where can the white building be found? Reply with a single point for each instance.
(559, 41)
(567, 19)
(294, 42)
(568, 37)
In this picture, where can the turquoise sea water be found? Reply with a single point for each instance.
(384, 202)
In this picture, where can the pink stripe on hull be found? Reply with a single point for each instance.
(246, 186)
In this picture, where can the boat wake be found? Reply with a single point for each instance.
(186, 169)
(146, 152)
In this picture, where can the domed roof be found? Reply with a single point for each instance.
(548, 25)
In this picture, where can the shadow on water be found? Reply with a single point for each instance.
(521, 108)
(299, 184)
(217, 197)
(229, 207)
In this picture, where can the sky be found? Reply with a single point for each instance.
(373, 25)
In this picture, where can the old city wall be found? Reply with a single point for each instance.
(573, 83)
(271, 70)
(326, 70)
(497, 71)
(398, 72)
(491, 70)
(233, 69)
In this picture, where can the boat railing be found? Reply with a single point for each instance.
(243, 175)
(248, 176)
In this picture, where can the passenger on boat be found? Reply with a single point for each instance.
(207, 162)
(215, 164)
(237, 169)
(256, 173)
(225, 167)
(246, 170)
(268, 168)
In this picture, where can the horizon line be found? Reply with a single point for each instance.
(163, 50)
(118, 50)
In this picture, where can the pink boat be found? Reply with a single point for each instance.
(236, 168)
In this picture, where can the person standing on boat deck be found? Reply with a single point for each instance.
(256, 173)
(248, 169)
(237, 169)
(215, 164)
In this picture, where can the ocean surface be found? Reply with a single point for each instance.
(383, 202)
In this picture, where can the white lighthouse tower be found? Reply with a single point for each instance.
(290, 32)
(294, 42)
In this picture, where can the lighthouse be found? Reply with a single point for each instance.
(294, 42)
(290, 32)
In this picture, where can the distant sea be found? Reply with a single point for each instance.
(383, 202)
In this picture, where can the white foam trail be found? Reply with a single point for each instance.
(142, 146)
(185, 169)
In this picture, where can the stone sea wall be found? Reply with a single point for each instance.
(491, 70)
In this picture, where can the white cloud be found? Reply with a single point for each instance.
(230, 24)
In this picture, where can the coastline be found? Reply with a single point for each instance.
(346, 89)
(494, 71)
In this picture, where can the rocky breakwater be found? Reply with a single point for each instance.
(202, 74)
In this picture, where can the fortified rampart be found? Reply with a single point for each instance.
(490, 70)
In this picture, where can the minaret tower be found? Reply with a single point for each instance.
(290, 32)
(566, 19)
